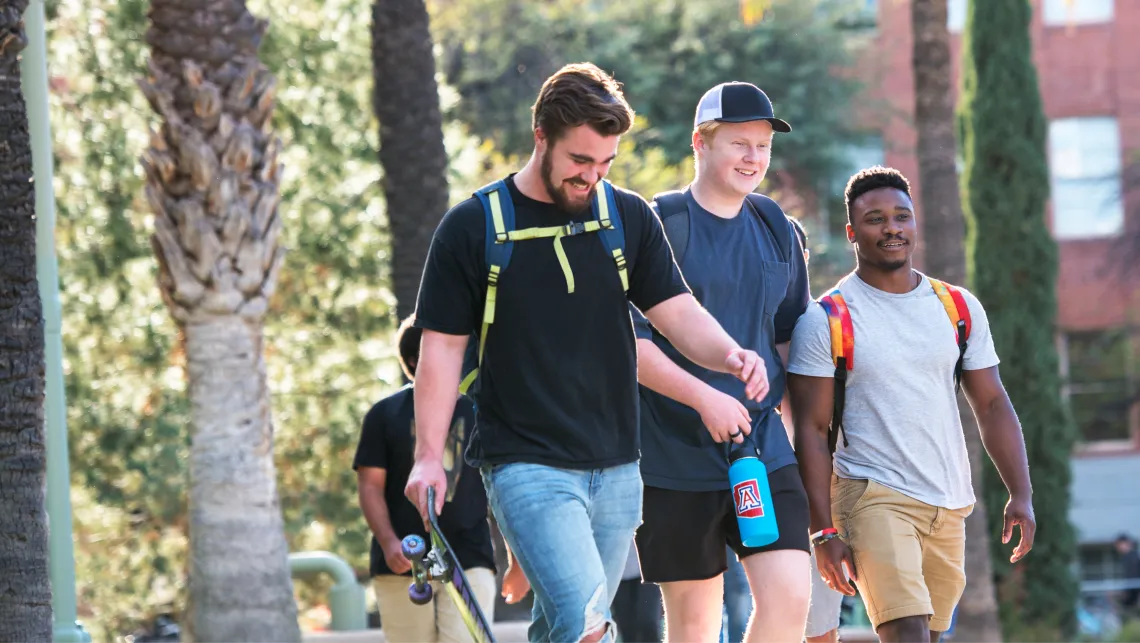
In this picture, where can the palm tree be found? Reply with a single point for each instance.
(25, 591)
(944, 227)
(406, 101)
(212, 175)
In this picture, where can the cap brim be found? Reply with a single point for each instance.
(779, 125)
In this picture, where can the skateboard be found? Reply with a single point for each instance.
(441, 564)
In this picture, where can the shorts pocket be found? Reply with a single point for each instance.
(847, 495)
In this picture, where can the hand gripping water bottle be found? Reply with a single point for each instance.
(751, 495)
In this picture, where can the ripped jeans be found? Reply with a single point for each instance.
(570, 530)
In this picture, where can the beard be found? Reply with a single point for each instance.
(558, 193)
(890, 266)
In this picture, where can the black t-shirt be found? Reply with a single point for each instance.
(387, 441)
(558, 384)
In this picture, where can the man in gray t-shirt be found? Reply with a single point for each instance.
(893, 509)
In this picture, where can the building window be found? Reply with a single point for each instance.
(956, 15)
(1098, 562)
(1084, 162)
(1100, 381)
(1077, 12)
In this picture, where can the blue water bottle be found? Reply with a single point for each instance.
(751, 495)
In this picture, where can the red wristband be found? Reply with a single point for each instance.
(824, 532)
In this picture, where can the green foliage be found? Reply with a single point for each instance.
(498, 52)
(1012, 260)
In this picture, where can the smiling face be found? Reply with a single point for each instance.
(883, 229)
(732, 158)
(573, 165)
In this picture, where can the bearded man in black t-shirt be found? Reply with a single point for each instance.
(556, 435)
(383, 462)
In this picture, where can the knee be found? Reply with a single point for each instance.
(910, 629)
(596, 635)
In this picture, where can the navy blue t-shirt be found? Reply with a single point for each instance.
(736, 270)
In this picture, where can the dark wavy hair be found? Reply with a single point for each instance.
(581, 94)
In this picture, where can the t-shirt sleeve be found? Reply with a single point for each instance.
(654, 276)
(811, 345)
(980, 352)
(451, 288)
(798, 297)
(641, 326)
(372, 449)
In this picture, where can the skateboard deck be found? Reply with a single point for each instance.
(441, 564)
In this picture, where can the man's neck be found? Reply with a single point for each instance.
(899, 282)
(529, 181)
(725, 206)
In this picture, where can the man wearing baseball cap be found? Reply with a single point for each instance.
(744, 262)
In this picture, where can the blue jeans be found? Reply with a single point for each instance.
(570, 530)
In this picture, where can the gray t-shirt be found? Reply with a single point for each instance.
(901, 413)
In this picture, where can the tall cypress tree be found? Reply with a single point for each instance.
(1012, 260)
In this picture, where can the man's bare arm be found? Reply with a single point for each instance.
(437, 385)
(370, 483)
(812, 400)
(1005, 444)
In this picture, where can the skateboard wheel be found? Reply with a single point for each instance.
(413, 547)
(420, 595)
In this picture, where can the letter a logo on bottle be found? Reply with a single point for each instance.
(746, 495)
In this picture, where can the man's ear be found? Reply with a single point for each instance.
(850, 234)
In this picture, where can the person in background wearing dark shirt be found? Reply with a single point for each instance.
(746, 265)
(1130, 566)
(556, 437)
(383, 461)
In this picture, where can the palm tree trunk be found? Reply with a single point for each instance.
(944, 231)
(406, 100)
(25, 591)
(239, 589)
(212, 182)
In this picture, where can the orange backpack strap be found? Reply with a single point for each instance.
(959, 314)
(842, 356)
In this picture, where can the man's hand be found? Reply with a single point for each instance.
(831, 557)
(426, 473)
(515, 583)
(394, 556)
(1019, 511)
(724, 416)
(750, 369)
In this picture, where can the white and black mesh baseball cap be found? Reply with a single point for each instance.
(737, 102)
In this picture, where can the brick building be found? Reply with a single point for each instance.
(1088, 59)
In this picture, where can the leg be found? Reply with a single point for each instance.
(615, 513)
(401, 620)
(778, 573)
(885, 530)
(823, 613)
(450, 623)
(909, 629)
(944, 564)
(543, 515)
(737, 598)
(681, 547)
(693, 610)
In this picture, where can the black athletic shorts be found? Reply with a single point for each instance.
(683, 533)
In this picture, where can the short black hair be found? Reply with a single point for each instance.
(873, 178)
(408, 346)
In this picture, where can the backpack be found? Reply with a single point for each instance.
(499, 215)
(673, 208)
(843, 344)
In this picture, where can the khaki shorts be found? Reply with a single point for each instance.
(909, 556)
(439, 621)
